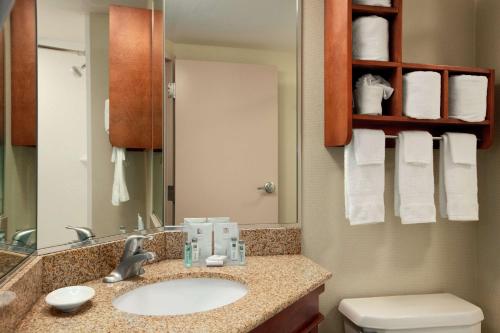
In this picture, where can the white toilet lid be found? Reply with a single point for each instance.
(411, 312)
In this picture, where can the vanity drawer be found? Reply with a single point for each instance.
(302, 316)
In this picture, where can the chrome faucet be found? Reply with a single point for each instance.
(134, 256)
(84, 234)
(20, 240)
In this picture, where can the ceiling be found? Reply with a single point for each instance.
(260, 24)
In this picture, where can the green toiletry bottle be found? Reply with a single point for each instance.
(188, 255)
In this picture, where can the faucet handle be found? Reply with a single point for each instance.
(134, 244)
(83, 233)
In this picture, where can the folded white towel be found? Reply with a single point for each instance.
(468, 97)
(370, 38)
(369, 93)
(458, 177)
(383, 3)
(364, 181)
(106, 115)
(414, 178)
(120, 191)
(422, 95)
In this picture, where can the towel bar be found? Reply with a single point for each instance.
(435, 138)
(438, 138)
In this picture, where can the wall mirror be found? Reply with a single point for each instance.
(232, 117)
(18, 146)
(150, 111)
(100, 92)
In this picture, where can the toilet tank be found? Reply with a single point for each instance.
(433, 313)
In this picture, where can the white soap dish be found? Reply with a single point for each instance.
(69, 299)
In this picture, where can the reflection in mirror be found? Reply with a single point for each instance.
(232, 126)
(18, 150)
(100, 92)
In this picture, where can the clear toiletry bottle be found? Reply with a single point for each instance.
(233, 252)
(242, 250)
(188, 255)
(195, 250)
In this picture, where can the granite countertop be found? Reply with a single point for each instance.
(274, 283)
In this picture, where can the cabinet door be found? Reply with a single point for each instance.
(23, 55)
(130, 115)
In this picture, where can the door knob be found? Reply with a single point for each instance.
(268, 187)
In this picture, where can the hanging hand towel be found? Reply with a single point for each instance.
(364, 177)
(369, 93)
(120, 192)
(422, 95)
(458, 177)
(382, 3)
(370, 38)
(106, 115)
(414, 178)
(468, 94)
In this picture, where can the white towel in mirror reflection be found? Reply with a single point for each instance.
(120, 191)
(106, 115)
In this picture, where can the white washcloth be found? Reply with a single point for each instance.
(414, 178)
(120, 192)
(364, 181)
(370, 38)
(369, 93)
(106, 115)
(215, 261)
(383, 3)
(458, 177)
(422, 95)
(468, 97)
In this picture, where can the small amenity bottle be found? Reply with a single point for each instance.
(234, 249)
(242, 254)
(195, 250)
(188, 255)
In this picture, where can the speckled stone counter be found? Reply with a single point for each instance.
(9, 260)
(274, 283)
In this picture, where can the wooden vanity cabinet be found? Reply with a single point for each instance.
(302, 316)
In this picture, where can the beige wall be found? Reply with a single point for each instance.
(488, 55)
(286, 64)
(390, 258)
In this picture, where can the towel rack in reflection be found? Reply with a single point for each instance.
(435, 138)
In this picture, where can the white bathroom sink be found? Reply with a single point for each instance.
(178, 297)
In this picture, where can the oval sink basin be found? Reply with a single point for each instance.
(178, 297)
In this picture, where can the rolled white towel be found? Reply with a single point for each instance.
(370, 38)
(422, 95)
(468, 95)
(369, 93)
(383, 3)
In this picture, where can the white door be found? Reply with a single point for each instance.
(226, 141)
(62, 147)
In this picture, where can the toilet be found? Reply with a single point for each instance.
(434, 313)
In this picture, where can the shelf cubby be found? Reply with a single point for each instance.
(341, 73)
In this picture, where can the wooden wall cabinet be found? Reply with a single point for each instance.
(341, 73)
(23, 73)
(135, 77)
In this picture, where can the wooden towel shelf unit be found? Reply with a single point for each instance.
(341, 73)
